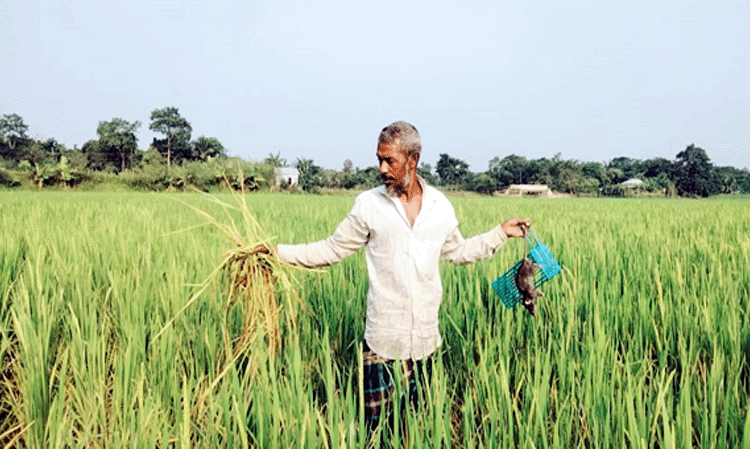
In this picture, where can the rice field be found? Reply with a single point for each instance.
(642, 341)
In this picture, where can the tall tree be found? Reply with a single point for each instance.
(594, 171)
(117, 141)
(205, 148)
(654, 167)
(628, 166)
(13, 129)
(95, 158)
(310, 175)
(509, 170)
(452, 171)
(170, 123)
(694, 173)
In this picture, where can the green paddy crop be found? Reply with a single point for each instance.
(643, 340)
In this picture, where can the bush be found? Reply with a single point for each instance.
(7, 179)
(147, 178)
(615, 190)
(202, 175)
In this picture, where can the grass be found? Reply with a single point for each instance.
(642, 341)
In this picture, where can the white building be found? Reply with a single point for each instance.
(632, 183)
(290, 175)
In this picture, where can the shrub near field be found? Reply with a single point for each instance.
(642, 341)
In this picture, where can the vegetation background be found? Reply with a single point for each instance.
(177, 161)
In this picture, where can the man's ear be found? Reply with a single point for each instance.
(413, 161)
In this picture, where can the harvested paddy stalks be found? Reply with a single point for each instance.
(252, 281)
(258, 282)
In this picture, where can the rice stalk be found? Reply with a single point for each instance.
(256, 281)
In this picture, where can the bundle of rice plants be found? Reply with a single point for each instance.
(257, 280)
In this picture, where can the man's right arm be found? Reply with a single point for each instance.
(351, 235)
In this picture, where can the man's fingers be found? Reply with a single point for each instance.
(259, 249)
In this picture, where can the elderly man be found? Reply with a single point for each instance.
(406, 226)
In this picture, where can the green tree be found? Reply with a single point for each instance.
(594, 171)
(743, 181)
(310, 175)
(95, 159)
(537, 171)
(425, 171)
(77, 159)
(613, 176)
(512, 169)
(694, 173)
(452, 171)
(728, 179)
(117, 142)
(41, 173)
(628, 166)
(46, 152)
(331, 179)
(206, 148)
(176, 128)
(564, 174)
(655, 167)
(484, 183)
(275, 160)
(12, 129)
(371, 176)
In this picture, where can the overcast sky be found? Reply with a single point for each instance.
(589, 79)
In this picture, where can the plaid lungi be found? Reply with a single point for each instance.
(380, 379)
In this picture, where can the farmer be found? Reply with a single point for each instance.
(406, 226)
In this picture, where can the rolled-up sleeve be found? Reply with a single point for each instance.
(351, 235)
(459, 251)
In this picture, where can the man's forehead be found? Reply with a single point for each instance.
(385, 148)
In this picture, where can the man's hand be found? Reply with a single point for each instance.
(260, 249)
(515, 227)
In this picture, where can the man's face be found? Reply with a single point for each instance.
(393, 167)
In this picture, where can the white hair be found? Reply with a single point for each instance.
(407, 135)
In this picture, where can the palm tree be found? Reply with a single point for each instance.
(275, 160)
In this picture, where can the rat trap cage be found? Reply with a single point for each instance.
(505, 285)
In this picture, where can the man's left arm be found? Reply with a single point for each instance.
(459, 250)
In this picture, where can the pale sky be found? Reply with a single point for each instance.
(590, 79)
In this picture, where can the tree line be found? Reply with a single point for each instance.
(690, 174)
(176, 161)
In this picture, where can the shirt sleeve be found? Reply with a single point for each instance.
(460, 251)
(351, 235)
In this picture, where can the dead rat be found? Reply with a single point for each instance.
(525, 279)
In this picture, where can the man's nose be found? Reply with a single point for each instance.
(383, 167)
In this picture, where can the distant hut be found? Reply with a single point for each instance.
(536, 190)
(632, 183)
(288, 175)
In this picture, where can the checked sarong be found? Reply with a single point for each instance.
(380, 384)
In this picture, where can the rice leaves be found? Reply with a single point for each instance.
(107, 340)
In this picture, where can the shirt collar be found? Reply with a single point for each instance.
(429, 196)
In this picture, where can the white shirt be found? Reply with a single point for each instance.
(402, 264)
